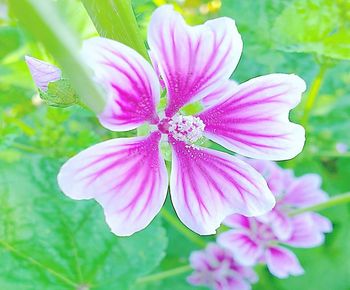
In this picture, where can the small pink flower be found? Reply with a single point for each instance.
(291, 193)
(42, 72)
(216, 268)
(128, 176)
(254, 240)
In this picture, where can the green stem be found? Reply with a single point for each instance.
(332, 155)
(314, 90)
(182, 229)
(333, 201)
(165, 274)
(25, 147)
(115, 19)
(42, 20)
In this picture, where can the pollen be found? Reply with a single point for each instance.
(186, 128)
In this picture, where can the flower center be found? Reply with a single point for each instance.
(262, 232)
(186, 128)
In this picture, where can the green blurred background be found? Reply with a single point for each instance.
(50, 242)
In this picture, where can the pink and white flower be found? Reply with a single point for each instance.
(290, 192)
(217, 269)
(252, 241)
(128, 176)
(261, 239)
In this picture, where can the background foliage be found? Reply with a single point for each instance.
(48, 241)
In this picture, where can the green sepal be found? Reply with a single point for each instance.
(60, 94)
(143, 130)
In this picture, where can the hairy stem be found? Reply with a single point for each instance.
(335, 200)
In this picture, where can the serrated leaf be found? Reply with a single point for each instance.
(50, 242)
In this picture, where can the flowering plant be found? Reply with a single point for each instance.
(183, 167)
(128, 177)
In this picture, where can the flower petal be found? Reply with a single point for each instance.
(127, 176)
(306, 233)
(197, 278)
(192, 60)
(199, 261)
(277, 179)
(237, 221)
(131, 83)
(217, 268)
(253, 119)
(42, 72)
(280, 223)
(235, 283)
(219, 93)
(282, 262)
(322, 223)
(156, 69)
(208, 185)
(245, 250)
(305, 191)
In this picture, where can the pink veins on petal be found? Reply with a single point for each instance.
(128, 176)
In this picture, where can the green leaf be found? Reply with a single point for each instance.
(315, 26)
(48, 241)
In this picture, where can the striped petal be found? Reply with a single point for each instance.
(193, 60)
(245, 250)
(237, 221)
(305, 191)
(208, 185)
(253, 119)
(127, 176)
(282, 262)
(307, 233)
(220, 92)
(280, 223)
(131, 84)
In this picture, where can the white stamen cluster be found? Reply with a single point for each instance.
(186, 128)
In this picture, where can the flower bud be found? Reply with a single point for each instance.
(54, 90)
(42, 72)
